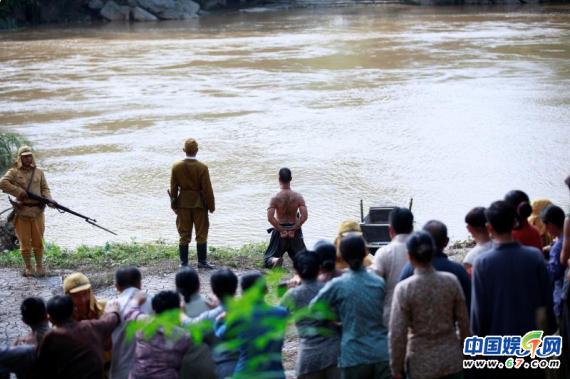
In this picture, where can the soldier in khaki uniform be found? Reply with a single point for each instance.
(29, 220)
(191, 198)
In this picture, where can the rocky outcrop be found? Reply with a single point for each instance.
(114, 12)
(96, 4)
(149, 10)
(139, 14)
(170, 9)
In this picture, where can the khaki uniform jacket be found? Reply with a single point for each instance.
(190, 185)
(15, 182)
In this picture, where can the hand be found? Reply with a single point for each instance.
(212, 302)
(221, 316)
(22, 196)
(112, 307)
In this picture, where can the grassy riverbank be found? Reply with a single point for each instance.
(152, 255)
(159, 254)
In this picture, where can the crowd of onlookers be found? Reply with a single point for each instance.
(401, 313)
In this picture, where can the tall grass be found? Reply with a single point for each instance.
(9, 144)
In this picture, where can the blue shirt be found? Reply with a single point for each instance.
(556, 272)
(510, 283)
(442, 263)
(260, 342)
(358, 299)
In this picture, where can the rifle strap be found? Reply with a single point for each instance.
(31, 180)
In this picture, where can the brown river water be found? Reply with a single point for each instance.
(450, 106)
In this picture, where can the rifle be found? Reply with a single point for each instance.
(62, 209)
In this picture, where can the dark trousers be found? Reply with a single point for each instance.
(380, 370)
(279, 246)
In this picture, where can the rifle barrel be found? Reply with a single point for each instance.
(62, 208)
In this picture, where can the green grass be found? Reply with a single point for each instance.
(9, 144)
(113, 255)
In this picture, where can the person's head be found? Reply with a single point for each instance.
(567, 182)
(33, 311)
(190, 147)
(78, 287)
(250, 279)
(285, 176)
(401, 221)
(60, 309)
(127, 277)
(353, 250)
(187, 282)
(25, 157)
(224, 283)
(306, 264)
(326, 252)
(165, 301)
(521, 204)
(438, 232)
(421, 248)
(553, 219)
(500, 218)
(476, 222)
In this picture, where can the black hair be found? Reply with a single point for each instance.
(165, 301)
(33, 310)
(326, 252)
(553, 215)
(60, 308)
(285, 175)
(520, 203)
(567, 181)
(353, 250)
(438, 232)
(249, 279)
(501, 216)
(401, 220)
(136, 276)
(224, 283)
(126, 277)
(122, 279)
(476, 218)
(187, 282)
(306, 263)
(421, 246)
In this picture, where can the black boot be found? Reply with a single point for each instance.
(202, 249)
(183, 250)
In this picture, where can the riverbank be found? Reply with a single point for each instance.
(157, 258)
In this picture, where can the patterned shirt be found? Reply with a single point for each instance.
(427, 310)
(358, 299)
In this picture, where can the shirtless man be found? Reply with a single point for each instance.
(286, 213)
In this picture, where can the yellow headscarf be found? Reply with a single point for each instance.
(348, 226)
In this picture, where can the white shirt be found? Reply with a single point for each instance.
(388, 263)
(474, 253)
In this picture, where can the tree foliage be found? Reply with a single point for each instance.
(9, 144)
